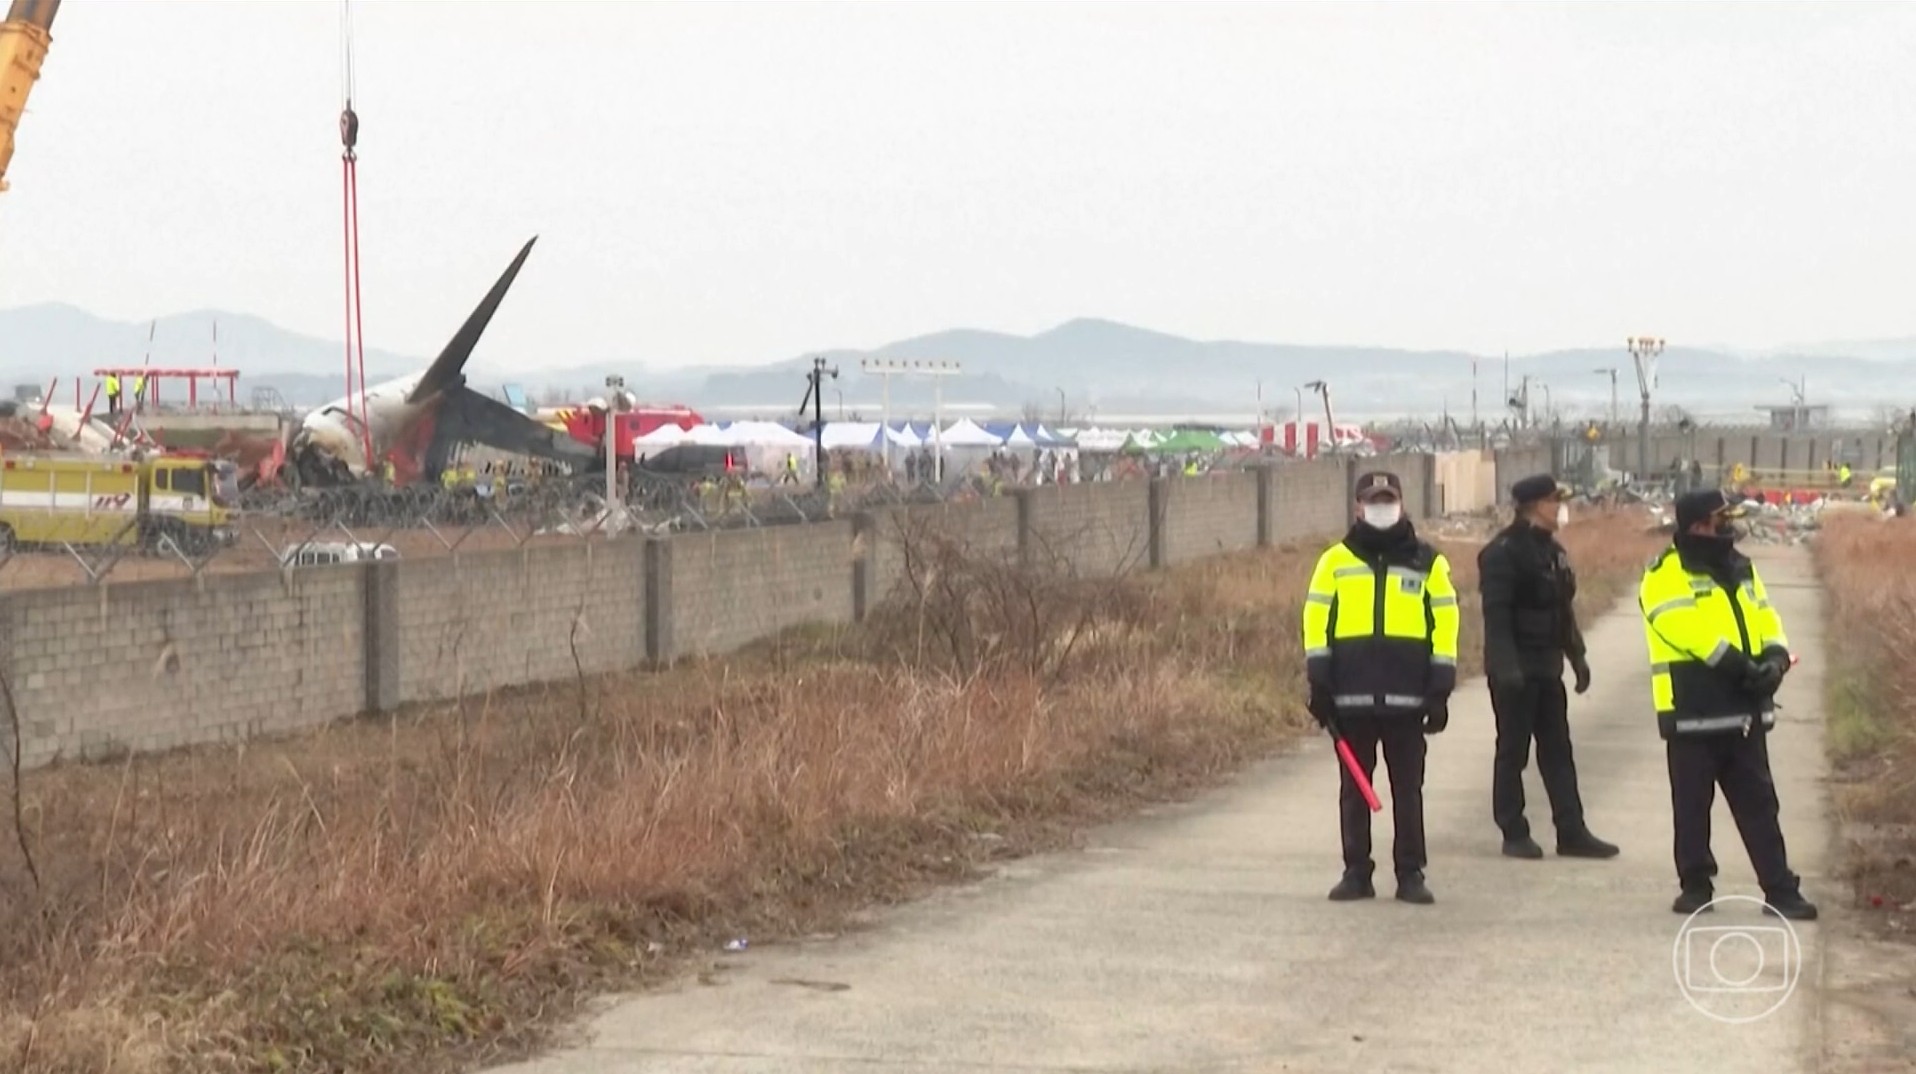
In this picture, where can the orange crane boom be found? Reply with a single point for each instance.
(24, 38)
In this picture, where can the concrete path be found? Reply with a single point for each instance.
(1199, 938)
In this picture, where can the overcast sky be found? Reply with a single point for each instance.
(739, 183)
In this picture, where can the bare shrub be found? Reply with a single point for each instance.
(977, 612)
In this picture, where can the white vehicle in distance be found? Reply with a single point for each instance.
(325, 553)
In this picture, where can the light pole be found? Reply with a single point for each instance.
(1644, 351)
(1612, 371)
(815, 395)
(1061, 413)
(1300, 410)
(1798, 411)
(888, 369)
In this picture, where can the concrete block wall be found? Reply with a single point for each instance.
(733, 587)
(1309, 499)
(1104, 528)
(152, 665)
(1206, 516)
(987, 527)
(1516, 464)
(469, 623)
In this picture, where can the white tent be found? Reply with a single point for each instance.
(965, 433)
(709, 434)
(1095, 439)
(767, 434)
(865, 436)
(663, 436)
(1019, 438)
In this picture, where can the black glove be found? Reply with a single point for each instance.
(1437, 716)
(1581, 668)
(1737, 666)
(1763, 678)
(1778, 658)
(1322, 708)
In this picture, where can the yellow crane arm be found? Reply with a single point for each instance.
(24, 38)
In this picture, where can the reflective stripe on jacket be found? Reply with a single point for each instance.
(1693, 625)
(1382, 634)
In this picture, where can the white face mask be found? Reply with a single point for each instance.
(1563, 515)
(1382, 516)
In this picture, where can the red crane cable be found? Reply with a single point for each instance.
(346, 229)
(356, 341)
(359, 327)
(349, 180)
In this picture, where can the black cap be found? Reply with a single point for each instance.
(1379, 481)
(1537, 487)
(1695, 507)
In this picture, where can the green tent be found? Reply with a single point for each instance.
(1187, 441)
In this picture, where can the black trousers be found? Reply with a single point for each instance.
(1540, 712)
(1741, 766)
(1402, 739)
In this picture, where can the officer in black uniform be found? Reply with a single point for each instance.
(1530, 630)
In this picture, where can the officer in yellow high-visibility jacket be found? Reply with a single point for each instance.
(1717, 655)
(1380, 646)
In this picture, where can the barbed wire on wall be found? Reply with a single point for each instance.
(277, 528)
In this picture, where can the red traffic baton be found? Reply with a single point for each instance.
(1356, 772)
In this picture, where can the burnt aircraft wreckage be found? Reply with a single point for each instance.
(417, 422)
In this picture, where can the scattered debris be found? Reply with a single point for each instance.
(737, 945)
(817, 986)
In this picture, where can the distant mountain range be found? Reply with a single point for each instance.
(1088, 368)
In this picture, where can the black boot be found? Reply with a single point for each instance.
(1522, 847)
(1790, 904)
(1411, 888)
(1355, 885)
(1694, 899)
(1582, 844)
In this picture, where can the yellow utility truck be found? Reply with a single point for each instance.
(56, 500)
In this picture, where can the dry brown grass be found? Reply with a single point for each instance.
(1869, 572)
(428, 891)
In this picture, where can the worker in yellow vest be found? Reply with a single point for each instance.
(1717, 655)
(112, 394)
(1380, 654)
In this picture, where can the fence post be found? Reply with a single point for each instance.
(1156, 496)
(1026, 520)
(380, 637)
(1266, 476)
(864, 563)
(661, 648)
(1433, 506)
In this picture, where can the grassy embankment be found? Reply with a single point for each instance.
(445, 887)
(1869, 574)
